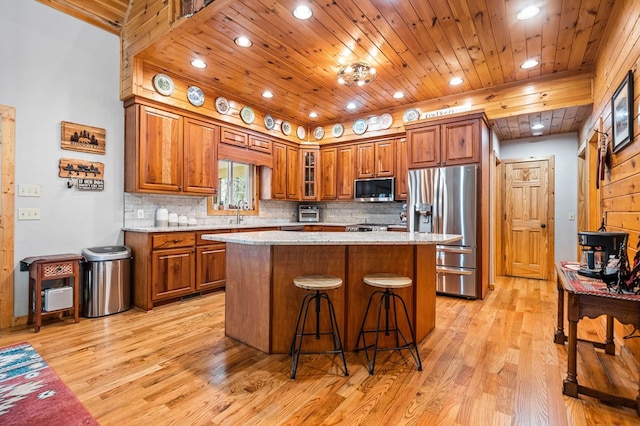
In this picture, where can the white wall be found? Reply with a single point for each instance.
(56, 68)
(565, 150)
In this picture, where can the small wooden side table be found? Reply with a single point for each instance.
(590, 298)
(51, 267)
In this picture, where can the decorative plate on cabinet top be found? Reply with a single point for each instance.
(269, 122)
(163, 84)
(195, 96)
(301, 132)
(318, 133)
(411, 115)
(247, 115)
(385, 121)
(360, 126)
(337, 130)
(222, 105)
(286, 128)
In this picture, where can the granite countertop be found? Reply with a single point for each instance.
(286, 238)
(151, 229)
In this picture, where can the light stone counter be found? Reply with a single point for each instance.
(288, 238)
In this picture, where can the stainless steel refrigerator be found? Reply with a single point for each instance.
(444, 200)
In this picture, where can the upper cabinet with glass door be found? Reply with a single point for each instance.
(310, 174)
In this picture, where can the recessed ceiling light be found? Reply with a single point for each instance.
(528, 12)
(243, 41)
(302, 12)
(455, 81)
(313, 114)
(351, 105)
(529, 64)
(198, 63)
(267, 94)
(398, 95)
(537, 126)
(537, 133)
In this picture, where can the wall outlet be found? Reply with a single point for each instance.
(572, 216)
(28, 190)
(28, 214)
(140, 214)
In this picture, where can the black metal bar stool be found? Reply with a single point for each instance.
(316, 286)
(388, 282)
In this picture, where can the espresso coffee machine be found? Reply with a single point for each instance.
(597, 249)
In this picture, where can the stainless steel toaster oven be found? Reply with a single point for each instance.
(308, 213)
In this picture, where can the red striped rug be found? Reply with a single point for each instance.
(31, 393)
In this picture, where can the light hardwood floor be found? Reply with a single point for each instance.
(488, 362)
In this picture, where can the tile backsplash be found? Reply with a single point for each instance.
(348, 212)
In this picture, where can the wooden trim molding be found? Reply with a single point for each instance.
(7, 144)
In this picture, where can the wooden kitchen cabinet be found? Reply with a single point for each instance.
(402, 171)
(211, 258)
(285, 180)
(345, 172)
(170, 265)
(328, 173)
(445, 142)
(376, 159)
(172, 273)
(167, 153)
(200, 157)
(309, 174)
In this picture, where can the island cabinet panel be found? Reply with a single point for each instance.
(287, 298)
(328, 174)
(200, 157)
(365, 260)
(248, 295)
(346, 163)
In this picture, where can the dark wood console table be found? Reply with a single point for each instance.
(588, 297)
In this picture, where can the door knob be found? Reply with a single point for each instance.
(543, 226)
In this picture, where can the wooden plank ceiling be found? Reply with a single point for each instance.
(416, 46)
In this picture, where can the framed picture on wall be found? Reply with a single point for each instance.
(621, 110)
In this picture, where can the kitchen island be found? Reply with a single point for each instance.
(262, 303)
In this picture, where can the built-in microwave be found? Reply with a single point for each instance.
(374, 190)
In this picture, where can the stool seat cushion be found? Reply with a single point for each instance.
(317, 282)
(385, 280)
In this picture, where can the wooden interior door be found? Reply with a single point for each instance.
(7, 168)
(528, 222)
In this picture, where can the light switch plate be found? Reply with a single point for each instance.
(140, 214)
(28, 214)
(28, 190)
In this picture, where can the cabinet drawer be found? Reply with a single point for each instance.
(259, 144)
(233, 137)
(57, 270)
(201, 242)
(174, 240)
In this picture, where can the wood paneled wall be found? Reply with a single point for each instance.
(619, 192)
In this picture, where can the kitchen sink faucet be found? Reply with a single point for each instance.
(240, 206)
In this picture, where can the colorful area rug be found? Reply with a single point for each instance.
(31, 393)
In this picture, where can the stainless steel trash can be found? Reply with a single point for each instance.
(106, 274)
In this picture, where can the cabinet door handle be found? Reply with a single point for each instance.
(176, 241)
